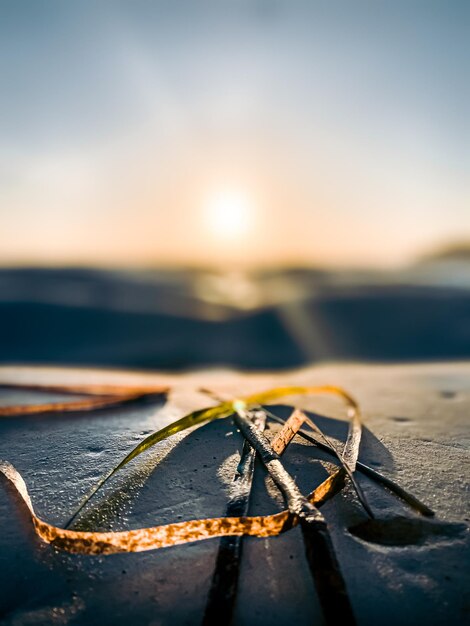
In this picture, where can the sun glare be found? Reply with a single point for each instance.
(229, 214)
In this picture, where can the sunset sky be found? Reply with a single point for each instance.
(246, 132)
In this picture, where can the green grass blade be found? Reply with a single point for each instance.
(196, 418)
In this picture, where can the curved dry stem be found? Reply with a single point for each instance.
(101, 396)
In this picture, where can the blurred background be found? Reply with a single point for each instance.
(258, 184)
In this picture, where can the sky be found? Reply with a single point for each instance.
(232, 132)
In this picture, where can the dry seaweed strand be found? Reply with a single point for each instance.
(89, 389)
(100, 396)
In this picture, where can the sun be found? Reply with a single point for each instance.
(228, 214)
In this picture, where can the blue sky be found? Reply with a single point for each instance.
(344, 123)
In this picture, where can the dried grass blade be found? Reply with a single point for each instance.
(90, 389)
(87, 404)
(101, 396)
(272, 395)
(143, 539)
(290, 428)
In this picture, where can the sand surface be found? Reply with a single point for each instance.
(416, 419)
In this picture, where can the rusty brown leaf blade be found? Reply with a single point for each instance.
(143, 539)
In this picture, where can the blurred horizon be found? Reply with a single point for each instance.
(449, 252)
(237, 135)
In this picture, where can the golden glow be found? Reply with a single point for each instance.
(229, 214)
